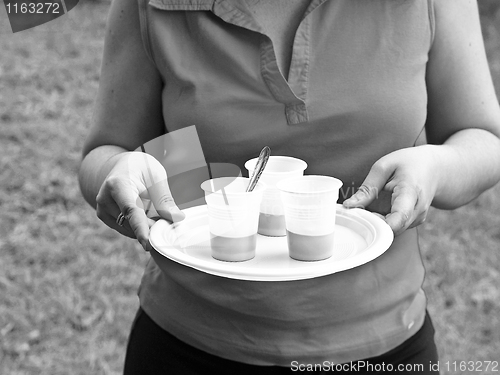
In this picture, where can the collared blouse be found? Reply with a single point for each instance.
(355, 91)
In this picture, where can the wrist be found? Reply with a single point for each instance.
(94, 169)
(447, 172)
(443, 158)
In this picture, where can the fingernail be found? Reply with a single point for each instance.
(144, 244)
(177, 214)
(353, 199)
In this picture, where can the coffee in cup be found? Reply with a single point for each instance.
(233, 217)
(278, 168)
(310, 210)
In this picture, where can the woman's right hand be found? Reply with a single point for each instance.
(128, 113)
(135, 177)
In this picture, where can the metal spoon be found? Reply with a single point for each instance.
(259, 168)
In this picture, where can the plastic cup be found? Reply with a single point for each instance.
(233, 217)
(310, 208)
(278, 168)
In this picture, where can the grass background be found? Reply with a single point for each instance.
(68, 283)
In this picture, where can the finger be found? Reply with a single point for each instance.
(164, 203)
(107, 210)
(419, 220)
(105, 204)
(404, 201)
(421, 209)
(110, 221)
(374, 183)
(125, 223)
(422, 215)
(137, 220)
(126, 196)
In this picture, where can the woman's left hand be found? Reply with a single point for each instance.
(410, 175)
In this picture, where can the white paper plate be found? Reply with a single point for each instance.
(360, 237)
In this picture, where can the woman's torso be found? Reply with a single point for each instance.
(355, 91)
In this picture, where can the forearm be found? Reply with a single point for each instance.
(95, 166)
(468, 164)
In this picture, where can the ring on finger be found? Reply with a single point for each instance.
(120, 219)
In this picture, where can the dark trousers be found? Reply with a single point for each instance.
(153, 351)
